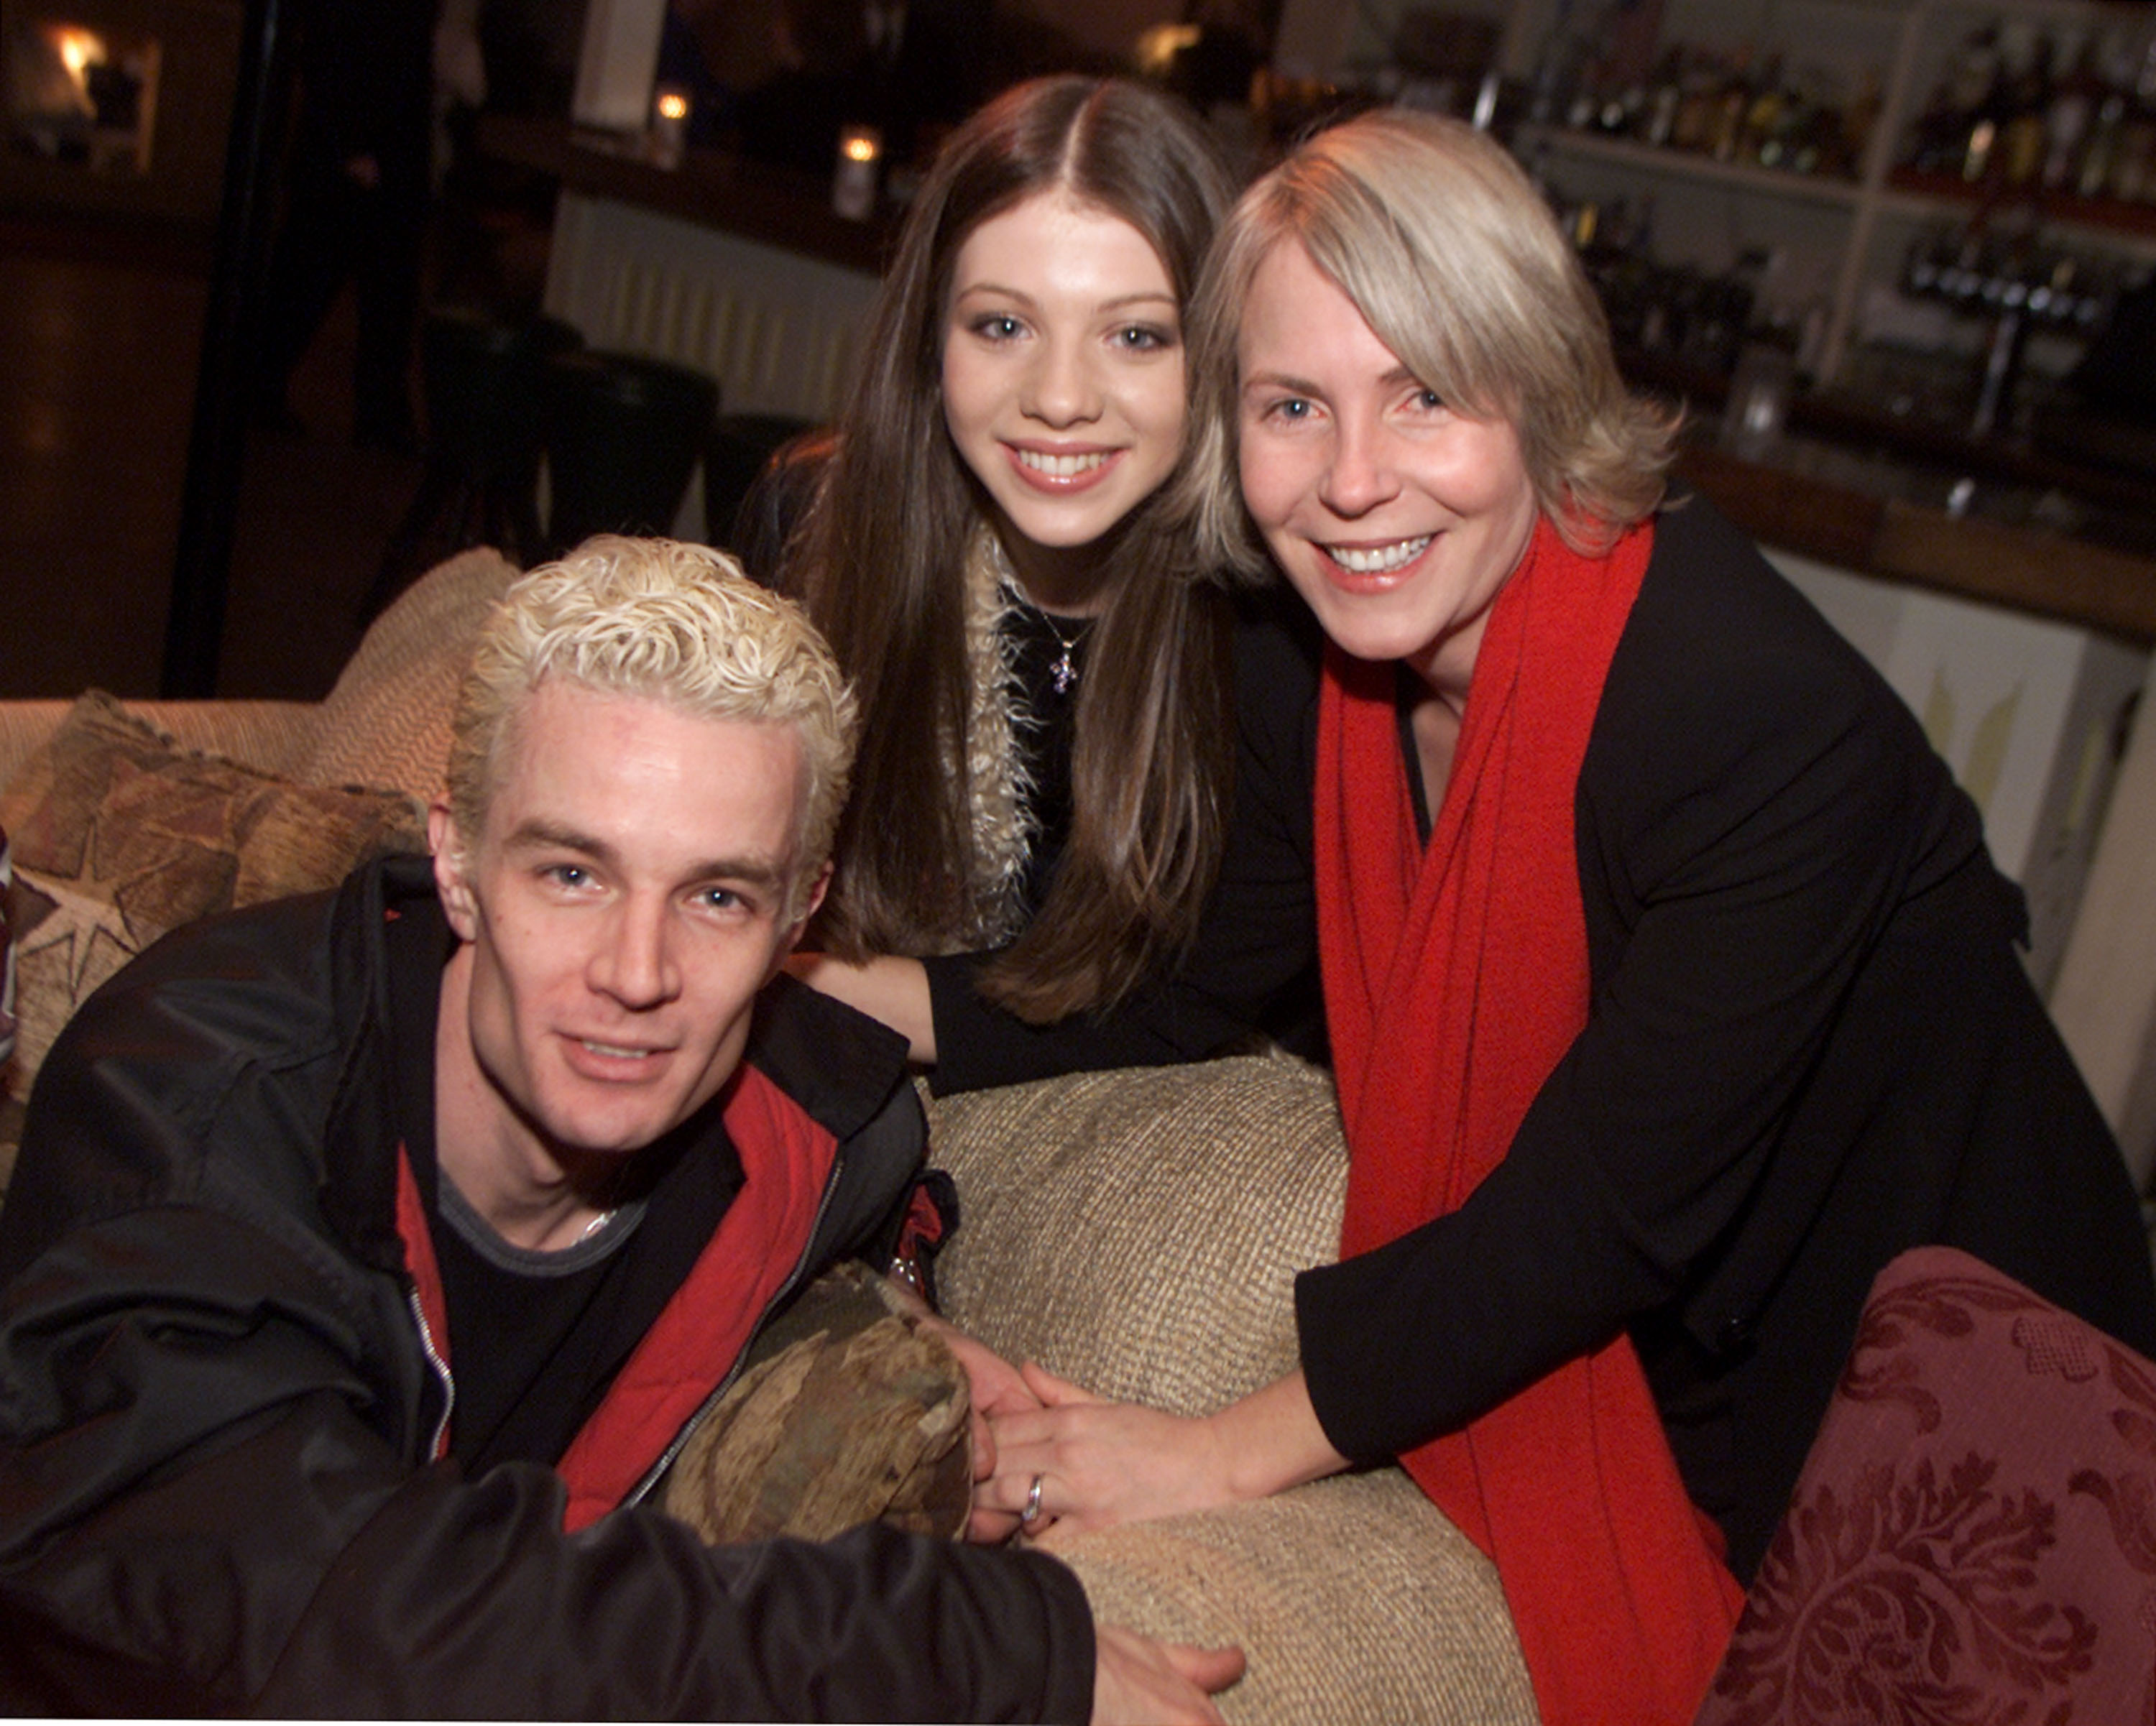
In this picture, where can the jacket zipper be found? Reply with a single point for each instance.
(657, 1470)
(437, 1447)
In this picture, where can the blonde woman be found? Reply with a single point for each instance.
(1671, 990)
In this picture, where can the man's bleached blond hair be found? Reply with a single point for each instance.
(672, 622)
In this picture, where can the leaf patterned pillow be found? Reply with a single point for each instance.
(1972, 1539)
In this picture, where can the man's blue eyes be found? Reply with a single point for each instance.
(576, 875)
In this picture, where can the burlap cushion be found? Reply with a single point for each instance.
(1356, 1602)
(1139, 1231)
(849, 1410)
(118, 836)
(387, 722)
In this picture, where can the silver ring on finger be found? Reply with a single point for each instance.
(1031, 1514)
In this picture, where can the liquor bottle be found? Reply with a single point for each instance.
(1981, 73)
(2074, 99)
(1698, 92)
(1730, 106)
(1941, 137)
(2133, 163)
(1841, 152)
(2024, 103)
(2093, 178)
(1664, 96)
(1759, 129)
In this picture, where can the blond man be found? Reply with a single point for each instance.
(372, 1255)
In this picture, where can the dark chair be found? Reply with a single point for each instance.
(481, 381)
(778, 499)
(623, 434)
(741, 445)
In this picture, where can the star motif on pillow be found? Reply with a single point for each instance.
(78, 938)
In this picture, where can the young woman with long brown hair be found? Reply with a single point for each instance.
(1044, 791)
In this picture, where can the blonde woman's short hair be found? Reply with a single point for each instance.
(673, 623)
(1458, 266)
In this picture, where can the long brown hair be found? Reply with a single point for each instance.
(880, 564)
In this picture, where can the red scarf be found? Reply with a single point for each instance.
(1455, 981)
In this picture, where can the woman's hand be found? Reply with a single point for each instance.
(893, 990)
(1099, 1463)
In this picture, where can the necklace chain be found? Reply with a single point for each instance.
(1065, 671)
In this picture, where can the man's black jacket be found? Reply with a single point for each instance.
(217, 1409)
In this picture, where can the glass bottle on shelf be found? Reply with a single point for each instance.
(2071, 118)
(1699, 91)
(1727, 124)
(1842, 151)
(1987, 114)
(2132, 177)
(1664, 96)
(1763, 114)
(1940, 140)
(2025, 102)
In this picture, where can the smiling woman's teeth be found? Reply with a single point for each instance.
(611, 1051)
(1376, 561)
(1060, 467)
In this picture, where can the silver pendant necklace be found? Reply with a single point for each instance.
(1063, 673)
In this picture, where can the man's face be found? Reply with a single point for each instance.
(624, 902)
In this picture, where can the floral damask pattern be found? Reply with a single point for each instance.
(1974, 1539)
(6, 955)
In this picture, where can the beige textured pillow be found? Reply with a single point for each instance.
(1355, 1601)
(118, 836)
(1139, 1230)
(387, 722)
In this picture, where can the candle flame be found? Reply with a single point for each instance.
(78, 49)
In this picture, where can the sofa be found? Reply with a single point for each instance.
(1136, 1231)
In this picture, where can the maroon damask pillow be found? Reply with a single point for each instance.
(7, 955)
(1973, 1536)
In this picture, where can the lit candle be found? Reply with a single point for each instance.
(854, 186)
(669, 124)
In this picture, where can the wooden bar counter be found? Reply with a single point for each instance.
(2047, 572)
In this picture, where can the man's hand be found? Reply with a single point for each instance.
(998, 1390)
(995, 1388)
(1138, 1682)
